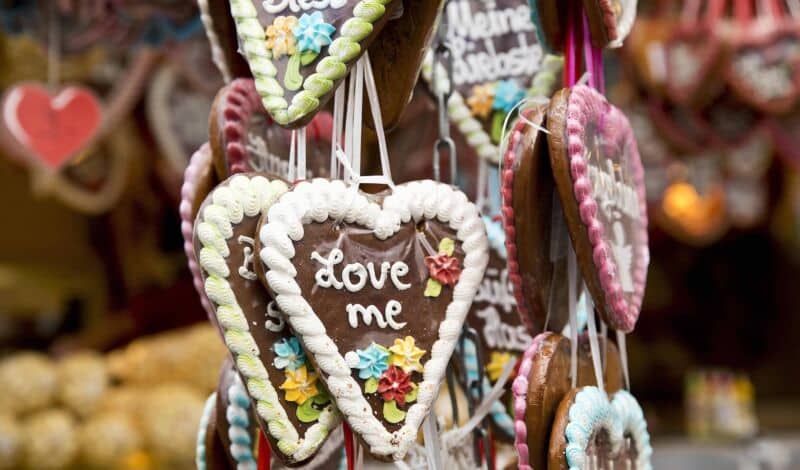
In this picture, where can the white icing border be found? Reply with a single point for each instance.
(249, 195)
(631, 416)
(589, 412)
(319, 200)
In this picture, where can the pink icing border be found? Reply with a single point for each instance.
(507, 192)
(200, 159)
(585, 105)
(241, 101)
(519, 388)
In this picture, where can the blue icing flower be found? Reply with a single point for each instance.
(372, 362)
(289, 354)
(506, 95)
(496, 235)
(312, 32)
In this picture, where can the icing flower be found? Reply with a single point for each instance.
(394, 385)
(497, 363)
(300, 385)
(434, 286)
(280, 37)
(443, 268)
(481, 100)
(289, 354)
(312, 32)
(372, 362)
(507, 94)
(406, 355)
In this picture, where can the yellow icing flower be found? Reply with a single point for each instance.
(406, 355)
(300, 385)
(497, 363)
(481, 100)
(280, 37)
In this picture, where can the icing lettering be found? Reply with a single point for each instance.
(296, 6)
(326, 277)
(274, 321)
(606, 187)
(496, 290)
(502, 335)
(382, 319)
(469, 29)
(245, 269)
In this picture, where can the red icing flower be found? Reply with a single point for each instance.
(443, 268)
(394, 385)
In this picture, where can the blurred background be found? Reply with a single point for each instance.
(106, 356)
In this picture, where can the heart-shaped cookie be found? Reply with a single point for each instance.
(610, 21)
(377, 288)
(492, 70)
(591, 432)
(293, 409)
(243, 137)
(50, 129)
(299, 52)
(693, 55)
(764, 69)
(528, 190)
(600, 180)
(542, 382)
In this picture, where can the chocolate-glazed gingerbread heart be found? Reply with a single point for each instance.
(377, 288)
(299, 52)
(610, 21)
(296, 420)
(600, 180)
(544, 380)
(591, 432)
(244, 138)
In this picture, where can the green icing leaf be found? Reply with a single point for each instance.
(447, 246)
(293, 80)
(497, 126)
(411, 396)
(306, 57)
(391, 413)
(433, 288)
(306, 412)
(321, 399)
(371, 385)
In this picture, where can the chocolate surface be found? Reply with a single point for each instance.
(549, 382)
(420, 315)
(262, 314)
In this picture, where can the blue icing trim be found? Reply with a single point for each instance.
(590, 411)
(632, 418)
(241, 448)
(200, 447)
(496, 235)
(499, 414)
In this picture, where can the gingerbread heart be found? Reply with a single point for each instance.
(491, 70)
(51, 129)
(299, 52)
(600, 180)
(377, 288)
(764, 69)
(293, 409)
(243, 137)
(528, 190)
(542, 382)
(610, 21)
(693, 54)
(591, 432)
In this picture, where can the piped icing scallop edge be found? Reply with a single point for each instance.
(341, 52)
(200, 457)
(217, 55)
(519, 389)
(318, 200)
(241, 101)
(589, 412)
(241, 447)
(246, 196)
(585, 103)
(200, 160)
(631, 416)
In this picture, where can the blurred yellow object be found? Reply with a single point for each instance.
(29, 382)
(10, 442)
(107, 438)
(49, 440)
(138, 460)
(170, 415)
(82, 381)
(693, 217)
